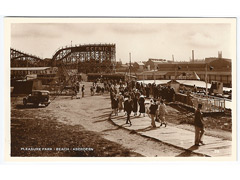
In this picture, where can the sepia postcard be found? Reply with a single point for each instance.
(135, 89)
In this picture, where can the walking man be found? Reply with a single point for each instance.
(199, 126)
(91, 89)
(83, 90)
(128, 108)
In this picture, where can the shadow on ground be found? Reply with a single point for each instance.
(188, 152)
(29, 106)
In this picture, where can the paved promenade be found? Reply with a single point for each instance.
(172, 135)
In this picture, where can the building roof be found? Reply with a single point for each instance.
(153, 71)
(29, 68)
(158, 62)
(140, 64)
(152, 81)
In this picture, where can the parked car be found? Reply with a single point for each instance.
(37, 97)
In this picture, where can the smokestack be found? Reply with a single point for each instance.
(173, 58)
(193, 55)
(219, 54)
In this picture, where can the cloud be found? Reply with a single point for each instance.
(143, 28)
(33, 30)
(51, 30)
(202, 40)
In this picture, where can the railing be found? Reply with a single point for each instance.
(209, 103)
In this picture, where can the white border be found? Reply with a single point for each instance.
(7, 41)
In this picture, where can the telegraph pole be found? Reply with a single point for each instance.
(154, 77)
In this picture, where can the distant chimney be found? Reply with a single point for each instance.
(219, 54)
(173, 58)
(192, 55)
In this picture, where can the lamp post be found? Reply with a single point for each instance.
(154, 77)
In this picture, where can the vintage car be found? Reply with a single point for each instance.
(37, 97)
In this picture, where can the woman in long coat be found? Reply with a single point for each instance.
(162, 113)
(141, 102)
(120, 102)
(135, 105)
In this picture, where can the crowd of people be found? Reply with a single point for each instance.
(130, 97)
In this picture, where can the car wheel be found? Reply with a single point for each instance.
(24, 102)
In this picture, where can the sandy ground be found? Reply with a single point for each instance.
(83, 122)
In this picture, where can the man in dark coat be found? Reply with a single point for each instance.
(83, 90)
(199, 126)
(128, 108)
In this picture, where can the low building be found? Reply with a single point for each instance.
(152, 64)
(139, 66)
(45, 74)
(217, 70)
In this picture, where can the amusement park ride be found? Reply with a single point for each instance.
(71, 61)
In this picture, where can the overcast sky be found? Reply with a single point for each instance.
(143, 40)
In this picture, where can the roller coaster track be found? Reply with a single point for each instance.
(62, 53)
(99, 52)
(29, 59)
(83, 58)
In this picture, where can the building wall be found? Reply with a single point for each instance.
(221, 71)
(46, 75)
